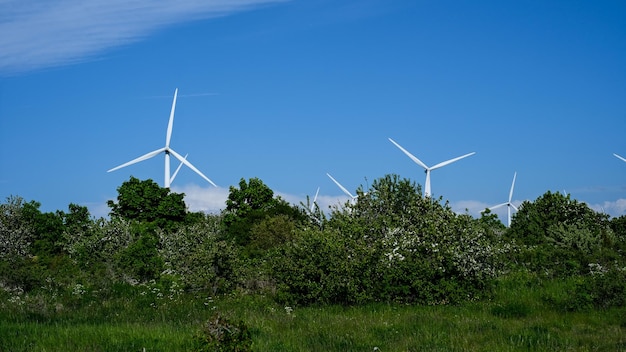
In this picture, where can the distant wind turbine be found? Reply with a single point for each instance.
(508, 204)
(619, 157)
(167, 150)
(314, 200)
(353, 198)
(426, 168)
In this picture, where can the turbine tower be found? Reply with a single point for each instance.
(508, 204)
(352, 198)
(619, 157)
(167, 150)
(426, 168)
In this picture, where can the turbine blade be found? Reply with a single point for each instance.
(512, 185)
(619, 157)
(413, 157)
(189, 165)
(316, 193)
(170, 124)
(177, 169)
(498, 206)
(314, 199)
(141, 158)
(451, 161)
(514, 207)
(340, 186)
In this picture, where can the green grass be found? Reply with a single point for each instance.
(518, 318)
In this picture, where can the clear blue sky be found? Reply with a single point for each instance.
(287, 91)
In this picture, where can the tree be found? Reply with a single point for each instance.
(146, 201)
(561, 235)
(16, 231)
(249, 205)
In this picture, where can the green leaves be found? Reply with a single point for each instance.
(148, 202)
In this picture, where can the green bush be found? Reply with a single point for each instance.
(391, 245)
(604, 289)
(559, 237)
(222, 335)
(140, 260)
(200, 258)
(320, 267)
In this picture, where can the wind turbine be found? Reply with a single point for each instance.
(508, 204)
(353, 198)
(619, 157)
(426, 168)
(167, 150)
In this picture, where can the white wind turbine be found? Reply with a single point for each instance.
(167, 150)
(426, 168)
(508, 204)
(352, 198)
(619, 157)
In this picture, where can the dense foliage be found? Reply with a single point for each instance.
(391, 244)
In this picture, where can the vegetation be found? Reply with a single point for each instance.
(390, 271)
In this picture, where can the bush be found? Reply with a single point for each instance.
(200, 258)
(320, 267)
(605, 289)
(141, 260)
(221, 334)
(391, 245)
(602, 289)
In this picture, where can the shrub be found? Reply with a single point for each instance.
(221, 334)
(200, 258)
(319, 267)
(141, 260)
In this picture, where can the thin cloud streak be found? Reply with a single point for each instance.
(38, 34)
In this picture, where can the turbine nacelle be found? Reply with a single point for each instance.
(428, 169)
(508, 204)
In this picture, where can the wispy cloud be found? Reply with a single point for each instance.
(45, 33)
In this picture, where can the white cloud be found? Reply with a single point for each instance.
(213, 200)
(204, 199)
(44, 33)
(614, 208)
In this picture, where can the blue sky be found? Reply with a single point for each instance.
(287, 91)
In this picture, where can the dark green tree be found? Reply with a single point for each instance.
(250, 204)
(146, 201)
(491, 224)
(561, 236)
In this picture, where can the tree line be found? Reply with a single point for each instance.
(391, 244)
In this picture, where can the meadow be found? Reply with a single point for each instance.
(519, 317)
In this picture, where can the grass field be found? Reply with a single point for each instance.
(518, 318)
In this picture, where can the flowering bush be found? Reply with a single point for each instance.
(199, 256)
(391, 245)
